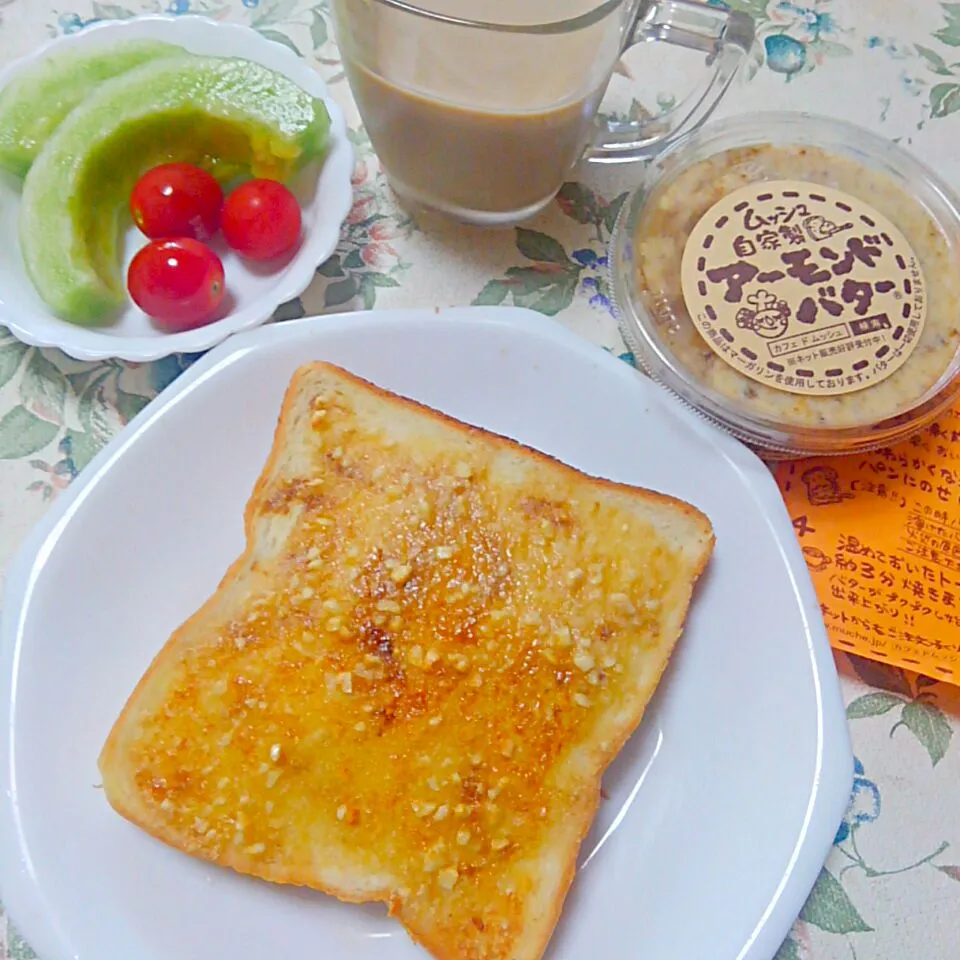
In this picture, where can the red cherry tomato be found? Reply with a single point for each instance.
(261, 220)
(177, 200)
(179, 283)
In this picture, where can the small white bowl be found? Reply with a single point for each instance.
(255, 292)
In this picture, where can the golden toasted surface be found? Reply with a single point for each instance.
(413, 690)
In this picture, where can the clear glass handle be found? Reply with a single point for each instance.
(724, 35)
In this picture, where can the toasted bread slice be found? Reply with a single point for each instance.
(409, 685)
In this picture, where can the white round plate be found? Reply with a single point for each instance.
(255, 293)
(719, 811)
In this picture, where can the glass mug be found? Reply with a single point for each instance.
(484, 119)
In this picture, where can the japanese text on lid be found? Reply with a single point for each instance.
(804, 288)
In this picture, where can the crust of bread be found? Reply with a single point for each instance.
(418, 915)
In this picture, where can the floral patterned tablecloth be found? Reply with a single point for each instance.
(891, 887)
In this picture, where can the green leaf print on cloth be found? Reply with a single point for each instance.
(942, 59)
(935, 62)
(61, 411)
(319, 31)
(17, 948)
(548, 286)
(830, 909)
(111, 11)
(928, 724)
(11, 354)
(944, 99)
(789, 950)
(43, 389)
(555, 276)
(872, 705)
(278, 36)
(22, 433)
(919, 711)
(366, 259)
(950, 32)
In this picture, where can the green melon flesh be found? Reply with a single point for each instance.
(227, 115)
(37, 100)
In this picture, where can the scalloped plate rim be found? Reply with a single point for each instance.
(89, 344)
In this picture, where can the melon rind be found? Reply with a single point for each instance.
(40, 97)
(226, 114)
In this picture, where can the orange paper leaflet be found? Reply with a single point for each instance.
(881, 535)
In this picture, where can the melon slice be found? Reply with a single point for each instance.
(225, 114)
(38, 99)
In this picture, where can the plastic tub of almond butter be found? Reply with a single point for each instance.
(795, 280)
